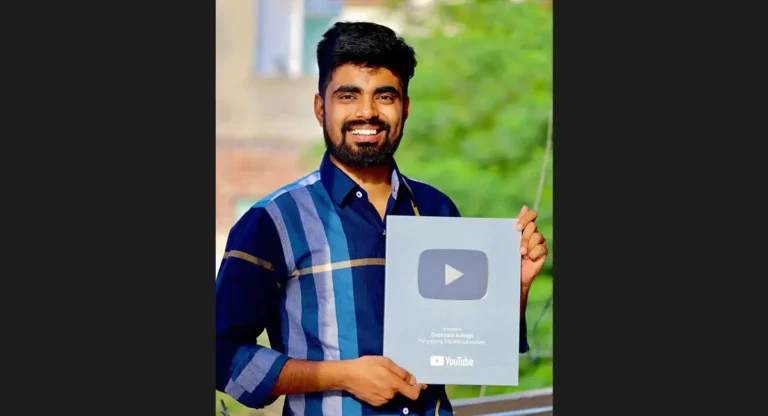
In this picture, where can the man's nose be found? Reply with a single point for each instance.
(366, 109)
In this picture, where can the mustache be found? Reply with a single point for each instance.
(375, 121)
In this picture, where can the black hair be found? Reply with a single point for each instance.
(365, 44)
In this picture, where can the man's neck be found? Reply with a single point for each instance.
(376, 180)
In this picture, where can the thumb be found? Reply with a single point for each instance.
(523, 210)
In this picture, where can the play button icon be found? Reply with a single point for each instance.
(453, 274)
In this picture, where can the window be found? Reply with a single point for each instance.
(314, 27)
(288, 32)
(272, 37)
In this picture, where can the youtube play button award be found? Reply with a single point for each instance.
(452, 299)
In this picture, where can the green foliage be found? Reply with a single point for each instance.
(480, 104)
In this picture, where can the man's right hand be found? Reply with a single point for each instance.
(376, 380)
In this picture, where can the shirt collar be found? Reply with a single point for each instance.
(339, 185)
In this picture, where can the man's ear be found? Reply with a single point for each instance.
(319, 112)
(406, 107)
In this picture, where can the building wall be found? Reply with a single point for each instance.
(235, 33)
(264, 118)
(255, 100)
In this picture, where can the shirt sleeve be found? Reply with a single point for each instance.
(247, 303)
(453, 211)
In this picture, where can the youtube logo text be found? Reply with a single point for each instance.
(440, 361)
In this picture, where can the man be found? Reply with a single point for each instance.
(306, 263)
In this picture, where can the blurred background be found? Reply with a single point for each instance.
(481, 102)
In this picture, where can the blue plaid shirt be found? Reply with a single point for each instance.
(306, 264)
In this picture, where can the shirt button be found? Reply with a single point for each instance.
(405, 411)
(359, 194)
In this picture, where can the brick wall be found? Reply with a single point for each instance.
(250, 170)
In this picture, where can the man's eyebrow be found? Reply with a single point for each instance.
(387, 89)
(347, 89)
(357, 90)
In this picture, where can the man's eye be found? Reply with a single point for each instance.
(346, 96)
(387, 97)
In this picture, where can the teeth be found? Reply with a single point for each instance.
(364, 132)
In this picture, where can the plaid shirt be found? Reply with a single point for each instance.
(306, 265)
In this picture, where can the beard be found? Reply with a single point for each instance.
(366, 155)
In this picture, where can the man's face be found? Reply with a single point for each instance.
(362, 114)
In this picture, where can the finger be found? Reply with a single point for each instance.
(410, 379)
(538, 252)
(525, 219)
(400, 386)
(527, 233)
(529, 230)
(397, 370)
(529, 216)
(535, 240)
(411, 392)
(522, 212)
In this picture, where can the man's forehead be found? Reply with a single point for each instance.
(363, 77)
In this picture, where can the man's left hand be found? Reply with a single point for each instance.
(533, 246)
